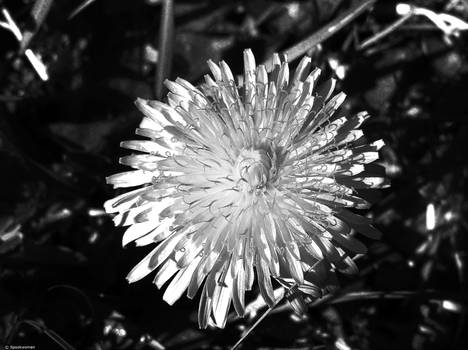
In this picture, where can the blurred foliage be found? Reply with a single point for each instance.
(62, 274)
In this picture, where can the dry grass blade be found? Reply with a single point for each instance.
(289, 292)
(400, 294)
(333, 27)
(260, 319)
(386, 31)
(166, 34)
(80, 8)
(50, 333)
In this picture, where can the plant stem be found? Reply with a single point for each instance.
(321, 35)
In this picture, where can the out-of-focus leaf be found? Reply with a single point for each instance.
(45, 255)
(89, 137)
(39, 13)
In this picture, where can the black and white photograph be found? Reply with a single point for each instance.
(233, 174)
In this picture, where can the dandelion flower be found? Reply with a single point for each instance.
(237, 182)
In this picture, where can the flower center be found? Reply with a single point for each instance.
(255, 168)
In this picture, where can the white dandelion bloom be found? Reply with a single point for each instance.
(237, 182)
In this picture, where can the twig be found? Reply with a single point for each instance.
(321, 35)
(386, 31)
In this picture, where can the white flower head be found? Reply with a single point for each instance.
(237, 180)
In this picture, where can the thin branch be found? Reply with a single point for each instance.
(321, 35)
(386, 31)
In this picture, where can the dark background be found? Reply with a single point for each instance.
(62, 267)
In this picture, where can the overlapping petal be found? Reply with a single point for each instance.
(246, 181)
